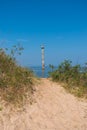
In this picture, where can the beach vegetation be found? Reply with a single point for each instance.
(73, 77)
(16, 82)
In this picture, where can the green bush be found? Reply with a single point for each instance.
(74, 77)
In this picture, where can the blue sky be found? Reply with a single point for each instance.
(61, 25)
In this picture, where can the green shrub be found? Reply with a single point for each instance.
(73, 76)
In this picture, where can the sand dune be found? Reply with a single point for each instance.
(54, 109)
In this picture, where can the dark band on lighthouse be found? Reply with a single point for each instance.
(43, 61)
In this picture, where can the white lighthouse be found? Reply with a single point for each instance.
(43, 61)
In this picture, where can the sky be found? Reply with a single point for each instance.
(60, 25)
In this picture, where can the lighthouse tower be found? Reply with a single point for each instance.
(43, 61)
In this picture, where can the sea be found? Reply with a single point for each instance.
(44, 73)
(41, 73)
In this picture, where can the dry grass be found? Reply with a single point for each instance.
(16, 82)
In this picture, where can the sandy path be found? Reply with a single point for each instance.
(55, 109)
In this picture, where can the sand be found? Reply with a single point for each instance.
(54, 109)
